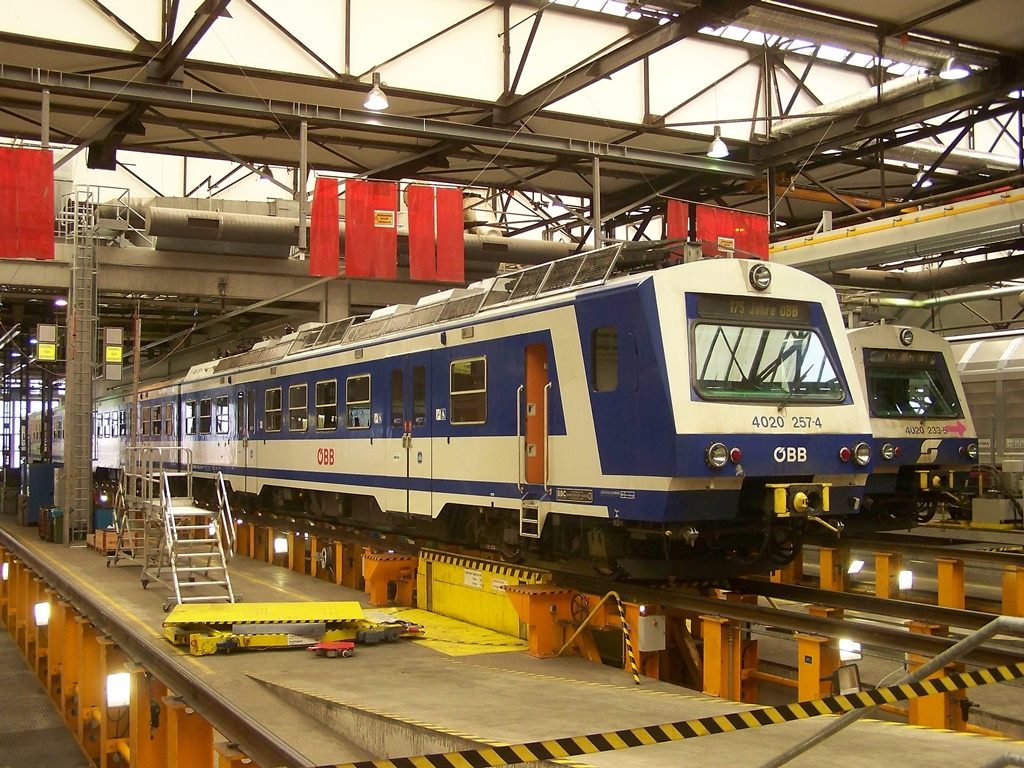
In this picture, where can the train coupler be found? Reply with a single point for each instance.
(798, 499)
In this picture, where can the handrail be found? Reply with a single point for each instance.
(613, 595)
(224, 504)
(168, 508)
(520, 447)
(1006, 625)
(547, 437)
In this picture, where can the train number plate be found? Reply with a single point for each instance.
(575, 495)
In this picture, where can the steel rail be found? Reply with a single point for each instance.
(908, 546)
(876, 637)
(261, 746)
(879, 606)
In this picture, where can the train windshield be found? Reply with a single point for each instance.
(743, 362)
(910, 385)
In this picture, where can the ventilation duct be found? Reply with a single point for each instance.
(226, 232)
(925, 281)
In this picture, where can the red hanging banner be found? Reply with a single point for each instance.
(451, 240)
(26, 203)
(677, 223)
(732, 233)
(371, 229)
(422, 247)
(323, 230)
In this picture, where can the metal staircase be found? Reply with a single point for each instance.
(184, 547)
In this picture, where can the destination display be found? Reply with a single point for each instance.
(753, 309)
(903, 357)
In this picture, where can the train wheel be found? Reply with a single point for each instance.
(926, 511)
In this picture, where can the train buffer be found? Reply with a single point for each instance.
(208, 628)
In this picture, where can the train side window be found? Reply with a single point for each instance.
(272, 406)
(357, 402)
(205, 416)
(469, 391)
(169, 419)
(604, 359)
(252, 412)
(158, 419)
(397, 398)
(221, 412)
(419, 395)
(190, 417)
(298, 408)
(326, 405)
(145, 420)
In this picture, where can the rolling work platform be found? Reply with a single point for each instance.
(407, 699)
(184, 547)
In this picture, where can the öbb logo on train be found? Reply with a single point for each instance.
(790, 455)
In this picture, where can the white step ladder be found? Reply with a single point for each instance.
(185, 547)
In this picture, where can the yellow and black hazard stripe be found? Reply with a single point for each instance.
(522, 574)
(594, 743)
(630, 656)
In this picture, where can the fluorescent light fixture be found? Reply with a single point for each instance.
(954, 69)
(280, 546)
(5, 571)
(717, 149)
(32, 340)
(41, 613)
(921, 180)
(906, 580)
(119, 690)
(849, 650)
(60, 302)
(376, 99)
(856, 566)
(266, 175)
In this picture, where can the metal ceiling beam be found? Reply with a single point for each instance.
(709, 13)
(981, 88)
(334, 117)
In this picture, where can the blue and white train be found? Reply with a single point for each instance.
(664, 422)
(922, 431)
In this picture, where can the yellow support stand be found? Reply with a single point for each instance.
(542, 608)
(147, 745)
(938, 710)
(792, 573)
(1013, 591)
(189, 736)
(832, 568)
(951, 582)
(819, 658)
(887, 569)
(380, 571)
(723, 668)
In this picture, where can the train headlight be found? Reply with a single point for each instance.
(716, 455)
(970, 451)
(888, 452)
(760, 277)
(861, 454)
(906, 337)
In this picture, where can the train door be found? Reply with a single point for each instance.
(537, 387)
(245, 437)
(409, 467)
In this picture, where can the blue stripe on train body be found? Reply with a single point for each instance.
(635, 426)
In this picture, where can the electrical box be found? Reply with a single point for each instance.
(651, 634)
(991, 511)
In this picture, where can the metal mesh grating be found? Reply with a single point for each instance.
(562, 273)
(368, 329)
(464, 307)
(528, 283)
